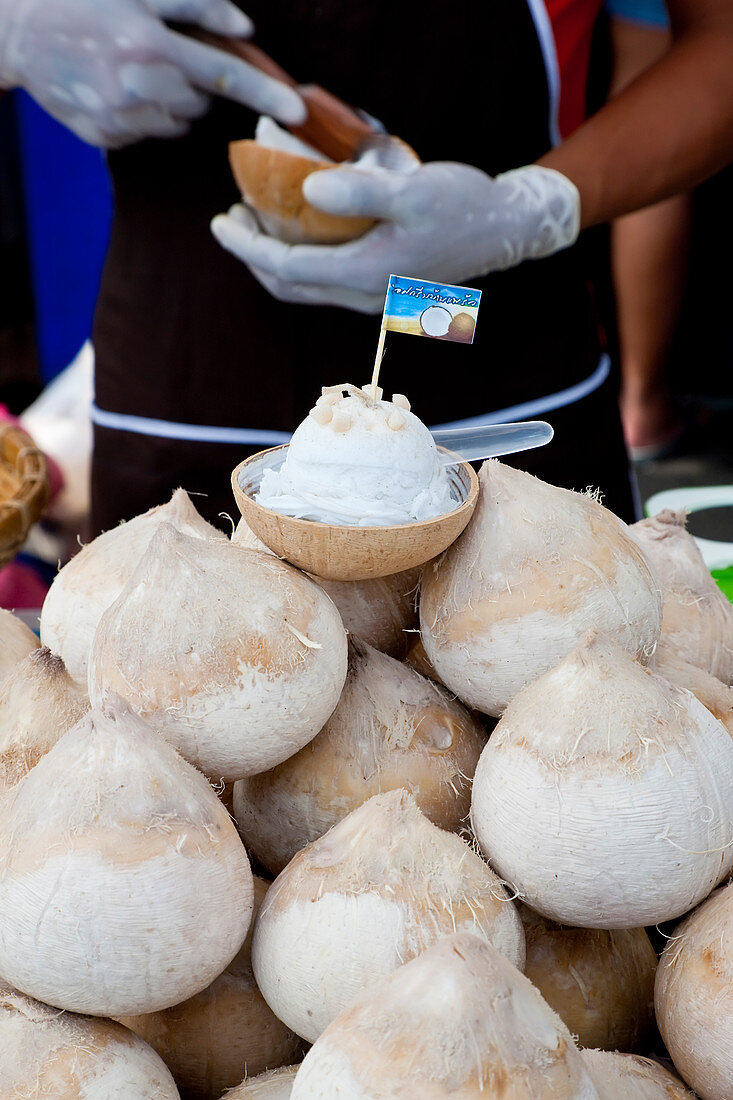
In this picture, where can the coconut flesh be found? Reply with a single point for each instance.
(698, 619)
(124, 887)
(359, 460)
(382, 611)
(16, 641)
(277, 1085)
(458, 1021)
(694, 997)
(627, 1075)
(536, 568)
(377, 890)
(39, 703)
(391, 728)
(46, 1053)
(600, 982)
(210, 1040)
(234, 657)
(605, 794)
(94, 578)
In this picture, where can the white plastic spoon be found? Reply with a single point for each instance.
(490, 440)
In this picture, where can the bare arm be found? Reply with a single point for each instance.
(668, 130)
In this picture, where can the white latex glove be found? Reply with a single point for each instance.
(443, 221)
(113, 73)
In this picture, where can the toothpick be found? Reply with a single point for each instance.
(377, 364)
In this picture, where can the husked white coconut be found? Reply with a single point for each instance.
(39, 703)
(605, 794)
(124, 887)
(418, 659)
(59, 1055)
(382, 611)
(377, 890)
(697, 623)
(277, 1085)
(16, 641)
(392, 728)
(536, 568)
(694, 997)
(233, 656)
(458, 1021)
(712, 692)
(209, 1041)
(600, 983)
(244, 537)
(86, 586)
(629, 1076)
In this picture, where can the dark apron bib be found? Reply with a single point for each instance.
(185, 334)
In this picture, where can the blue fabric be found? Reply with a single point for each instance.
(651, 13)
(68, 203)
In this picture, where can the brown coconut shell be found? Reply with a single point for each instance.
(271, 182)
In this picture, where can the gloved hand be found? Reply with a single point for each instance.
(113, 73)
(443, 221)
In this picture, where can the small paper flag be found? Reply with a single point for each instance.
(437, 310)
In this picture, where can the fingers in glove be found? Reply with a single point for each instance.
(122, 127)
(145, 121)
(357, 264)
(355, 192)
(225, 75)
(219, 16)
(163, 85)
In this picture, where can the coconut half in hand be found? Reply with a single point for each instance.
(270, 171)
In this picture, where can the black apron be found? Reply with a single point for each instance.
(185, 335)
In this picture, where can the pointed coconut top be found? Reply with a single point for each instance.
(44, 1052)
(673, 551)
(457, 1020)
(94, 578)
(527, 536)
(387, 843)
(698, 619)
(16, 641)
(629, 1075)
(600, 706)
(112, 786)
(226, 608)
(108, 560)
(39, 702)
(536, 568)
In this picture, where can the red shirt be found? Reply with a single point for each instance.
(572, 24)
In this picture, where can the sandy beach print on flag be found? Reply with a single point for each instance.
(422, 308)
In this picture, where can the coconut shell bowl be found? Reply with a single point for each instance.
(346, 553)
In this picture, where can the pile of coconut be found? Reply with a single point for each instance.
(464, 791)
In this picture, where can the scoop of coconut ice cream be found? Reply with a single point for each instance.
(360, 462)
